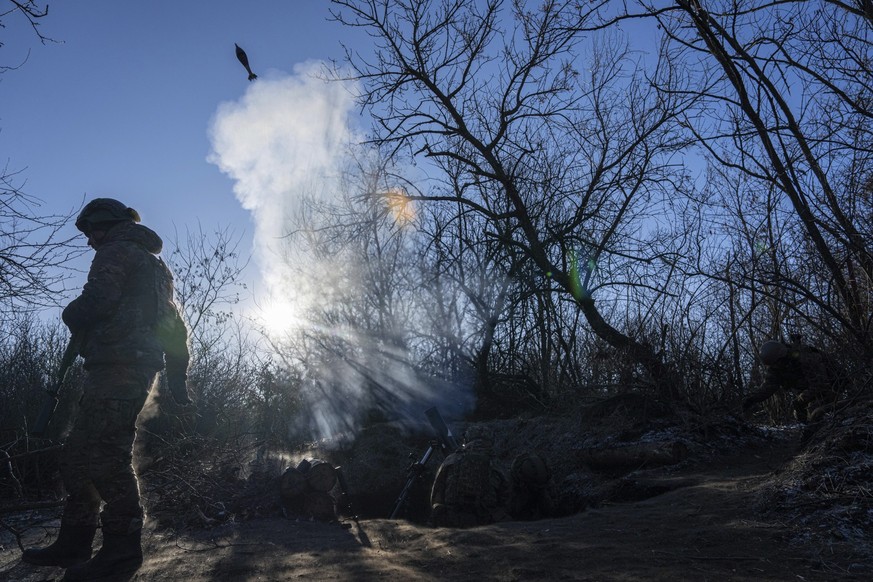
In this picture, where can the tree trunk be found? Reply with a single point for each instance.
(667, 381)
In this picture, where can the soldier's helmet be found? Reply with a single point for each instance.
(478, 438)
(530, 468)
(104, 212)
(771, 352)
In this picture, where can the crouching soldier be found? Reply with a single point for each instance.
(468, 489)
(531, 497)
(802, 370)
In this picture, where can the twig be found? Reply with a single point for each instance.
(14, 532)
(36, 452)
(24, 506)
(4, 456)
(216, 546)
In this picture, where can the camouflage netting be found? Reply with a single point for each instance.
(636, 433)
(603, 451)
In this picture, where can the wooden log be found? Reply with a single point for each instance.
(321, 476)
(292, 484)
(319, 505)
(634, 456)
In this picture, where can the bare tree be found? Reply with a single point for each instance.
(30, 10)
(32, 13)
(34, 252)
(471, 283)
(786, 101)
(355, 258)
(207, 270)
(562, 164)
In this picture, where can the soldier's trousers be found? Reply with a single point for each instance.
(97, 458)
(811, 405)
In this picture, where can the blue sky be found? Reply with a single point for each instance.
(123, 104)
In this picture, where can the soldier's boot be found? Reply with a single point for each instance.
(120, 554)
(73, 546)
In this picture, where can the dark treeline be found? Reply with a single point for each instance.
(554, 215)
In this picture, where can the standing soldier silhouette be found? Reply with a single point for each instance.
(130, 329)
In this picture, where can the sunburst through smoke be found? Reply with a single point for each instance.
(284, 141)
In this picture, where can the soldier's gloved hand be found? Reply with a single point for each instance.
(178, 385)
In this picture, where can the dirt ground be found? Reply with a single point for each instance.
(708, 525)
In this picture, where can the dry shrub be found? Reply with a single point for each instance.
(198, 482)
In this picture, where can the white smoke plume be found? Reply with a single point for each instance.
(286, 138)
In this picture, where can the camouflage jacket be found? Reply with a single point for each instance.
(118, 311)
(802, 369)
(468, 481)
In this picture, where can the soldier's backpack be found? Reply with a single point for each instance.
(169, 327)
